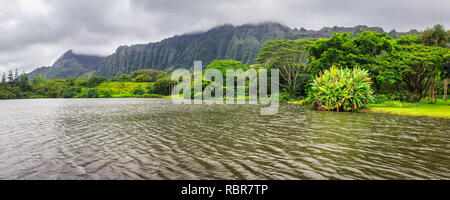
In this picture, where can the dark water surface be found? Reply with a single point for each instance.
(154, 139)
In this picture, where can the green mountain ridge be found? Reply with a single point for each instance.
(240, 43)
(70, 65)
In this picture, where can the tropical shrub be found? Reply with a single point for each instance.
(143, 78)
(5, 94)
(341, 90)
(49, 88)
(122, 78)
(285, 97)
(380, 98)
(150, 89)
(223, 65)
(139, 91)
(92, 93)
(67, 93)
(91, 81)
(162, 87)
(106, 93)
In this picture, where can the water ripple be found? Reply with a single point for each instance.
(154, 139)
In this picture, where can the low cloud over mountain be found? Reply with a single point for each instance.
(35, 32)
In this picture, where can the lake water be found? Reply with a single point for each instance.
(154, 139)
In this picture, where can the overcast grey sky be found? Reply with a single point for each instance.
(35, 33)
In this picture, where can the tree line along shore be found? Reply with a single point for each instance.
(346, 72)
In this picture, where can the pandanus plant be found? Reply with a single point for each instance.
(341, 90)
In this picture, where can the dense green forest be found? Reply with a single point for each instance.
(401, 69)
(142, 83)
(343, 72)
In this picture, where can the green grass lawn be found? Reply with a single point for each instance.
(299, 102)
(125, 90)
(422, 108)
(121, 89)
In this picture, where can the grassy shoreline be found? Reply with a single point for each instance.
(125, 96)
(440, 109)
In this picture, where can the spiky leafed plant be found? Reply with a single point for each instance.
(341, 90)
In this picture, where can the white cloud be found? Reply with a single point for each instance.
(34, 6)
(35, 33)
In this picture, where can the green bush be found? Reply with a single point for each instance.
(77, 90)
(24, 95)
(67, 93)
(5, 94)
(91, 81)
(162, 87)
(52, 94)
(380, 98)
(122, 78)
(92, 93)
(143, 78)
(150, 89)
(302, 83)
(285, 97)
(106, 92)
(341, 90)
(139, 91)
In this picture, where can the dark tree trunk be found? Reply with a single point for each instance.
(432, 89)
(429, 93)
(445, 89)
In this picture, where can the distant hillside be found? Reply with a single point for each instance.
(69, 65)
(224, 42)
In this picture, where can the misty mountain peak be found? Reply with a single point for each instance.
(67, 55)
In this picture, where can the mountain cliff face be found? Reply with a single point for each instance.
(69, 65)
(224, 42)
(395, 34)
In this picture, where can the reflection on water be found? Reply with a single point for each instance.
(154, 139)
